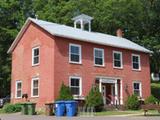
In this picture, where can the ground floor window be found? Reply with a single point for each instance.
(75, 85)
(18, 89)
(137, 89)
(35, 87)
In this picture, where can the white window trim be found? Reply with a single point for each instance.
(100, 49)
(33, 56)
(33, 79)
(140, 87)
(139, 57)
(80, 56)
(121, 59)
(80, 84)
(18, 81)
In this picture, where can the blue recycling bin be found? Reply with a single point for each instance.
(71, 108)
(59, 108)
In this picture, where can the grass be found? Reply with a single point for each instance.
(104, 113)
(1, 111)
(128, 112)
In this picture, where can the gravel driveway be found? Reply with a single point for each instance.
(17, 116)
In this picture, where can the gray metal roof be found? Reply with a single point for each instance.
(81, 35)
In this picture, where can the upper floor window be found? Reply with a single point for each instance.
(74, 53)
(75, 85)
(117, 59)
(35, 56)
(18, 89)
(35, 87)
(137, 89)
(136, 62)
(99, 57)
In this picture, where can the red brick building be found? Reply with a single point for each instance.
(45, 54)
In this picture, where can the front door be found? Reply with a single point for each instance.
(104, 93)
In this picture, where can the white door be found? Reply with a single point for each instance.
(104, 93)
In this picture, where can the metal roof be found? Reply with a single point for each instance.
(81, 35)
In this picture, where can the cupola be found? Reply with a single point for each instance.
(84, 22)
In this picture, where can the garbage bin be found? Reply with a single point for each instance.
(59, 108)
(49, 109)
(71, 108)
(24, 109)
(31, 108)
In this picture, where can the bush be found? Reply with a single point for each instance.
(132, 102)
(151, 100)
(65, 93)
(12, 108)
(95, 99)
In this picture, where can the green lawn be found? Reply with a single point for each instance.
(118, 112)
(1, 111)
(155, 89)
(136, 112)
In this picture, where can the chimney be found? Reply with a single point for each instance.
(119, 32)
(83, 20)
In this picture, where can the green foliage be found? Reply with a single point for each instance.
(12, 108)
(132, 102)
(65, 93)
(155, 90)
(151, 100)
(94, 98)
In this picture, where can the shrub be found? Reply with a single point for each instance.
(12, 108)
(151, 100)
(65, 93)
(95, 99)
(132, 102)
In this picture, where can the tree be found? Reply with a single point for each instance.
(65, 93)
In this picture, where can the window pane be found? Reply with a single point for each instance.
(136, 86)
(117, 63)
(98, 61)
(35, 83)
(19, 85)
(36, 52)
(75, 82)
(137, 92)
(75, 91)
(75, 49)
(135, 65)
(75, 58)
(19, 93)
(117, 56)
(36, 60)
(135, 59)
(35, 92)
(98, 53)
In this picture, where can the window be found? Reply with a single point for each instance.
(35, 56)
(35, 87)
(74, 53)
(99, 57)
(136, 62)
(75, 85)
(137, 89)
(117, 59)
(18, 89)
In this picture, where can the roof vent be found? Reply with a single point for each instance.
(82, 20)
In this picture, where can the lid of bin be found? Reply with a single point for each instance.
(60, 102)
(71, 101)
(30, 103)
